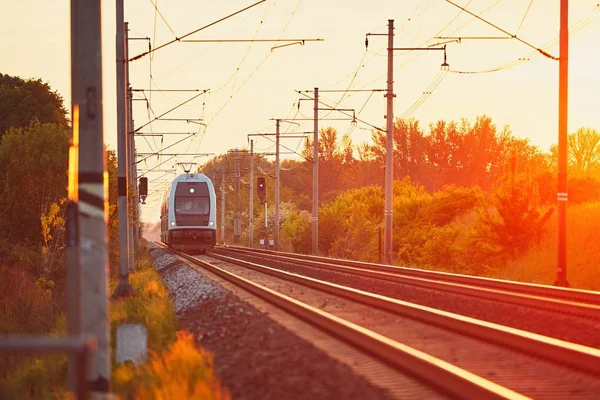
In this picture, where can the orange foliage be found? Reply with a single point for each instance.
(182, 372)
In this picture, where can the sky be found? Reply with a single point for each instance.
(251, 84)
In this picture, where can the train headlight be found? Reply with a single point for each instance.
(192, 190)
(172, 223)
(211, 223)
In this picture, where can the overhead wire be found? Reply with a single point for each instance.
(578, 26)
(245, 56)
(157, 11)
(514, 36)
(425, 95)
(177, 39)
(251, 73)
(524, 16)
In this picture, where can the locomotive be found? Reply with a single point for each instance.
(188, 214)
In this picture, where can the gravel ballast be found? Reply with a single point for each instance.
(255, 357)
(570, 328)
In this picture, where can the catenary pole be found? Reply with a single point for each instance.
(389, 148)
(223, 205)
(131, 184)
(123, 288)
(315, 199)
(251, 206)
(86, 94)
(277, 184)
(562, 197)
(236, 214)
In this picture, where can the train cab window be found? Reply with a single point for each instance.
(192, 205)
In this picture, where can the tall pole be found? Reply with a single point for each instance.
(276, 224)
(251, 206)
(86, 94)
(236, 214)
(123, 288)
(223, 205)
(389, 149)
(315, 199)
(562, 197)
(132, 181)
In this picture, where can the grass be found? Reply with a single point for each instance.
(180, 372)
(538, 264)
(149, 306)
(176, 368)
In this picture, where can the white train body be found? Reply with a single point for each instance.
(188, 214)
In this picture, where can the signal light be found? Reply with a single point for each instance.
(261, 184)
(143, 189)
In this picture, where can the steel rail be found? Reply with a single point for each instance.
(560, 352)
(442, 375)
(575, 296)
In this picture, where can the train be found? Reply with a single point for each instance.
(188, 214)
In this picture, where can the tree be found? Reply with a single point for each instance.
(34, 163)
(23, 101)
(409, 144)
(583, 152)
(512, 222)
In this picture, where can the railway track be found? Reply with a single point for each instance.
(556, 299)
(447, 377)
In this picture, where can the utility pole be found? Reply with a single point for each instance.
(86, 94)
(562, 196)
(132, 179)
(223, 205)
(236, 216)
(251, 210)
(315, 199)
(277, 184)
(123, 288)
(389, 149)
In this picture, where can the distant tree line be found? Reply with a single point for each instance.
(467, 195)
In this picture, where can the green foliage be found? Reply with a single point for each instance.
(427, 231)
(25, 101)
(112, 227)
(149, 306)
(512, 222)
(538, 263)
(33, 165)
(297, 230)
(34, 380)
(343, 221)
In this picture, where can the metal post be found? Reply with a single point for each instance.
(562, 196)
(86, 88)
(236, 213)
(73, 286)
(266, 226)
(223, 205)
(251, 206)
(379, 243)
(315, 199)
(132, 180)
(389, 149)
(123, 288)
(276, 224)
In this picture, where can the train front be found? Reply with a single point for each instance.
(192, 214)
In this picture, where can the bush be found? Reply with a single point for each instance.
(180, 372)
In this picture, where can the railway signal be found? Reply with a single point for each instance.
(262, 189)
(143, 189)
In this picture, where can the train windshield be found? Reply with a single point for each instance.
(197, 205)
